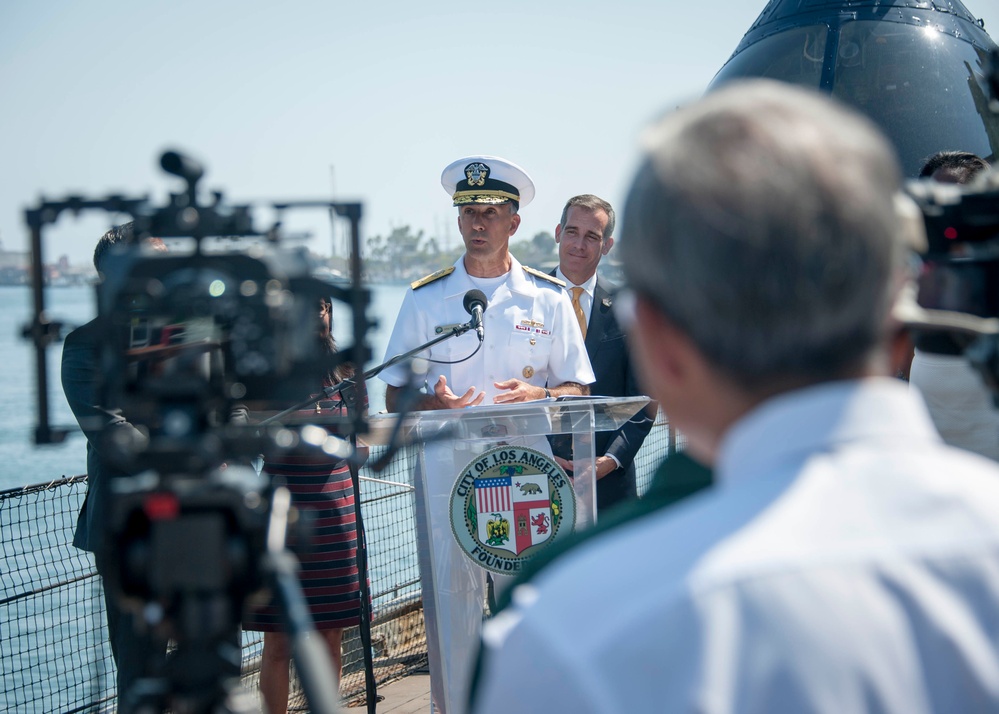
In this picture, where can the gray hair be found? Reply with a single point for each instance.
(762, 224)
(591, 203)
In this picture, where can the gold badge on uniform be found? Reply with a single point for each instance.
(528, 372)
(476, 174)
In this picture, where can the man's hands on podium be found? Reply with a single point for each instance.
(518, 391)
(514, 391)
(604, 464)
(449, 400)
(442, 398)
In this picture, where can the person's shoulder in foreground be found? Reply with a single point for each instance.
(845, 559)
(768, 587)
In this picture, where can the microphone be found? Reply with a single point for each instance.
(475, 304)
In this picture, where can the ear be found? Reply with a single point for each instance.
(667, 350)
(515, 223)
(608, 244)
(558, 232)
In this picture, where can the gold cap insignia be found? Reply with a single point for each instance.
(487, 180)
(528, 372)
(476, 174)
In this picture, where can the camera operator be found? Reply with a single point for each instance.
(133, 648)
(958, 400)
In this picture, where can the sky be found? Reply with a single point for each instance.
(360, 101)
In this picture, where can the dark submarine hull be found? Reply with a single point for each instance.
(916, 67)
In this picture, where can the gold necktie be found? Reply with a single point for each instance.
(580, 317)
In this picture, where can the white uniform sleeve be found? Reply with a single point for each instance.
(409, 332)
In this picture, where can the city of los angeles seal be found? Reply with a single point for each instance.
(508, 504)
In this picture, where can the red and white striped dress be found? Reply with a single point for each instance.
(329, 578)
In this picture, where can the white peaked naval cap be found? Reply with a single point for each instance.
(487, 179)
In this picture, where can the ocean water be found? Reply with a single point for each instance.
(26, 464)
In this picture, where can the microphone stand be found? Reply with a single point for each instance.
(364, 624)
(330, 392)
(393, 442)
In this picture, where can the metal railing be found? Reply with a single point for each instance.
(54, 653)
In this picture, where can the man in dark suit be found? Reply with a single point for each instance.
(132, 650)
(584, 236)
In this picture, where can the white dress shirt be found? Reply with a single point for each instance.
(846, 561)
(586, 304)
(586, 297)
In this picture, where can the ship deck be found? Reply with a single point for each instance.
(408, 695)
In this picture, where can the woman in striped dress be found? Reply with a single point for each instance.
(320, 484)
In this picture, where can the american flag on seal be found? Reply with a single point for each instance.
(493, 494)
(513, 514)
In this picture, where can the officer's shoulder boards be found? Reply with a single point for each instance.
(426, 280)
(544, 276)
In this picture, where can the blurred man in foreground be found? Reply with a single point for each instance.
(846, 559)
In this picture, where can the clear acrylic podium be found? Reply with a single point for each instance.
(453, 585)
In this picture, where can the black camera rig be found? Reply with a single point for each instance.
(188, 340)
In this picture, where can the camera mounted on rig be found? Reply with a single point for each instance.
(197, 332)
(188, 341)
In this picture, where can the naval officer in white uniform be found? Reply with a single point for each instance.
(531, 349)
(531, 345)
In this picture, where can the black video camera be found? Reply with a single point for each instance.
(961, 262)
(190, 340)
(958, 284)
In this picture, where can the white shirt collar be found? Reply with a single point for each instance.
(589, 286)
(516, 279)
